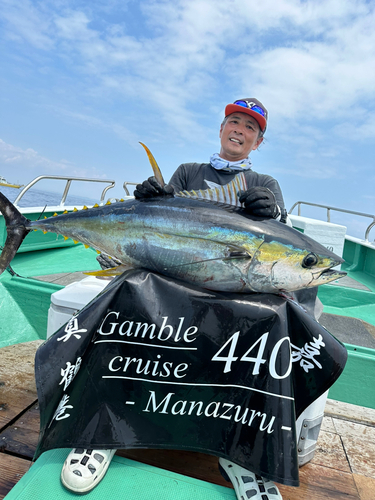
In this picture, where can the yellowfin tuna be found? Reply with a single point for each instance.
(203, 243)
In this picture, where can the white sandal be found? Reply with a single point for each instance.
(246, 484)
(84, 469)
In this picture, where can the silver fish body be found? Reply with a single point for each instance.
(203, 243)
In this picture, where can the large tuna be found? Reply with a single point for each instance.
(201, 242)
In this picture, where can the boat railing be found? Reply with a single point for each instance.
(328, 208)
(69, 181)
(125, 186)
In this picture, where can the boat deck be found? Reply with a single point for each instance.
(343, 466)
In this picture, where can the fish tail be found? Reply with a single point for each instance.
(16, 225)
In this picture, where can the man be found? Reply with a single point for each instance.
(241, 132)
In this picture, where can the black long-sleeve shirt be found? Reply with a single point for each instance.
(193, 176)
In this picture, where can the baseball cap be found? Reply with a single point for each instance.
(252, 107)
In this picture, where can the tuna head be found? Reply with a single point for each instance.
(281, 266)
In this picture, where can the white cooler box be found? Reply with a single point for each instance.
(67, 301)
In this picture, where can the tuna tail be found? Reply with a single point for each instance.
(16, 225)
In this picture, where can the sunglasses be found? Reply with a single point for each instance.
(252, 106)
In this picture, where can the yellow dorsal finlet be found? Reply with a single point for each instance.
(86, 246)
(55, 214)
(65, 212)
(75, 209)
(85, 208)
(95, 206)
(108, 203)
(66, 237)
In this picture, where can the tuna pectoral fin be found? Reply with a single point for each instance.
(239, 254)
(232, 254)
(16, 225)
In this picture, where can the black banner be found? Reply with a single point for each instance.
(154, 363)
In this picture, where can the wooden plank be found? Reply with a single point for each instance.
(328, 425)
(321, 483)
(17, 383)
(361, 455)
(188, 463)
(347, 411)
(13, 405)
(64, 279)
(359, 444)
(365, 486)
(12, 469)
(21, 438)
(330, 452)
(355, 430)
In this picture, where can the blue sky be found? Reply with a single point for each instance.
(82, 82)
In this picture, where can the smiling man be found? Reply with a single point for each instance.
(241, 132)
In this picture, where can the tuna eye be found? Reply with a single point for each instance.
(310, 260)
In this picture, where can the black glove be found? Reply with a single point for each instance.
(259, 201)
(107, 262)
(151, 188)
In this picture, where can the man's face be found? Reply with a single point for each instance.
(239, 136)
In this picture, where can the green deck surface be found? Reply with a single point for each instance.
(348, 301)
(24, 302)
(125, 479)
(24, 305)
(57, 260)
(356, 383)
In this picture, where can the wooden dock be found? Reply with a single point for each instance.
(343, 466)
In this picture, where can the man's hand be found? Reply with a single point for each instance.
(260, 201)
(152, 188)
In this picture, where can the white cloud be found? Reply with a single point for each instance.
(25, 22)
(74, 27)
(364, 130)
(27, 163)
(310, 171)
(122, 132)
(306, 60)
(14, 155)
(323, 77)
